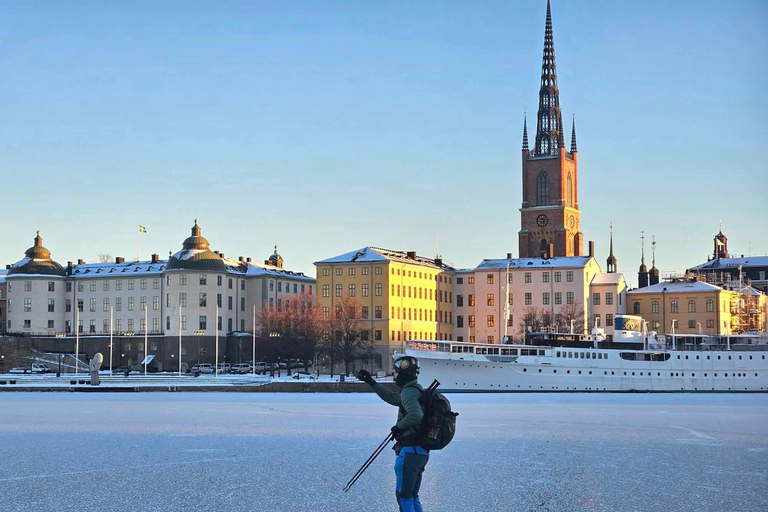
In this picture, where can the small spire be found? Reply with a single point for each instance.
(525, 132)
(653, 248)
(611, 258)
(573, 135)
(275, 248)
(642, 247)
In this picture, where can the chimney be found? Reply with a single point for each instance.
(591, 249)
(411, 255)
(248, 259)
(155, 258)
(509, 255)
(438, 262)
(241, 259)
(119, 259)
(81, 262)
(8, 267)
(222, 255)
(551, 251)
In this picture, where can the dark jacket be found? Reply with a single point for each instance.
(409, 413)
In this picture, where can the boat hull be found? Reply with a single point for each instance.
(683, 371)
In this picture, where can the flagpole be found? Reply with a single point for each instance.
(253, 353)
(216, 326)
(179, 340)
(146, 328)
(111, 330)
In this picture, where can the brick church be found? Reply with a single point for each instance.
(550, 215)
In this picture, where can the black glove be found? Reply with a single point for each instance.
(396, 431)
(365, 376)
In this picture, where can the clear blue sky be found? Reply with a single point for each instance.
(328, 126)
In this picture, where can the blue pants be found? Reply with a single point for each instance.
(409, 465)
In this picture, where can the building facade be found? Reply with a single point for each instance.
(401, 296)
(193, 296)
(550, 217)
(690, 306)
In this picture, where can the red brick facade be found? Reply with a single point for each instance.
(550, 211)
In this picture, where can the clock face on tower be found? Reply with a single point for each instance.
(542, 220)
(572, 221)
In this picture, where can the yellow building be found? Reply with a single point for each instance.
(693, 306)
(401, 296)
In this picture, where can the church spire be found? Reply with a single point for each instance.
(611, 261)
(525, 133)
(642, 274)
(573, 136)
(549, 127)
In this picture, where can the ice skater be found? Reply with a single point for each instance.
(411, 456)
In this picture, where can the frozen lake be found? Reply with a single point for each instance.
(294, 452)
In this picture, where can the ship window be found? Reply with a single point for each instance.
(582, 355)
(558, 353)
(541, 352)
(600, 355)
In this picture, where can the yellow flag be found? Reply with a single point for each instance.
(142, 229)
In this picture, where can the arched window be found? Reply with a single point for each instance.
(673, 306)
(655, 306)
(637, 308)
(569, 191)
(542, 189)
(691, 306)
(545, 247)
(710, 305)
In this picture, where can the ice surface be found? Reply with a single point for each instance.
(295, 452)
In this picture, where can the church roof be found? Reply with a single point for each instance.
(379, 255)
(729, 263)
(678, 287)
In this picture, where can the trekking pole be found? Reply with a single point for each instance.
(390, 437)
(368, 462)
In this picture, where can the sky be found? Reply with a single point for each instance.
(324, 127)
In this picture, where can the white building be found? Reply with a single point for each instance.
(158, 298)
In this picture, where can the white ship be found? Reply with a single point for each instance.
(634, 360)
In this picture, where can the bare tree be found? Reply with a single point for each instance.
(571, 312)
(531, 321)
(105, 257)
(349, 340)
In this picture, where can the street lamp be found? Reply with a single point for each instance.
(274, 336)
(59, 335)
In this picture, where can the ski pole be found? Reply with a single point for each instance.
(368, 462)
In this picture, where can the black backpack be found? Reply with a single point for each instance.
(439, 423)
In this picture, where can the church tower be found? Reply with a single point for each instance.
(721, 245)
(550, 215)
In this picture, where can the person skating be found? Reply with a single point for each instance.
(411, 457)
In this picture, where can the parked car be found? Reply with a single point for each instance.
(121, 369)
(202, 368)
(261, 366)
(241, 368)
(224, 367)
(34, 368)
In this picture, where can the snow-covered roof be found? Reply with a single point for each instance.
(129, 268)
(91, 270)
(678, 287)
(752, 261)
(519, 263)
(608, 278)
(380, 255)
(262, 270)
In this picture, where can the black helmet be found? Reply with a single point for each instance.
(406, 369)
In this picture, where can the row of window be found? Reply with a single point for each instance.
(352, 290)
(296, 287)
(674, 307)
(353, 270)
(608, 299)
